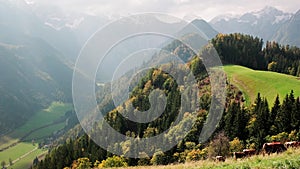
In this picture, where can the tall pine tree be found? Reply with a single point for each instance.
(261, 125)
(273, 114)
(283, 118)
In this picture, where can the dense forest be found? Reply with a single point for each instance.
(240, 127)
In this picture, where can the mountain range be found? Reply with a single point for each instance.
(268, 23)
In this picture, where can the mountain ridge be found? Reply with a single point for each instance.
(269, 23)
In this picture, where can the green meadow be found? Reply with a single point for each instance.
(269, 84)
(50, 117)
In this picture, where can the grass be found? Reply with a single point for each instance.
(44, 117)
(269, 84)
(5, 141)
(26, 162)
(41, 118)
(40, 134)
(288, 159)
(16, 151)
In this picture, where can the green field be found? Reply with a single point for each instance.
(26, 162)
(16, 151)
(269, 84)
(27, 150)
(45, 117)
(287, 160)
(42, 133)
(41, 118)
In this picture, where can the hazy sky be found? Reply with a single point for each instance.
(180, 8)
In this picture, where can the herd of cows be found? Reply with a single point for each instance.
(268, 148)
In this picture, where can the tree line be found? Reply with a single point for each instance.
(248, 51)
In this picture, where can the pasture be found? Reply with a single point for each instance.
(42, 118)
(40, 126)
(269, 84)
(26, 162)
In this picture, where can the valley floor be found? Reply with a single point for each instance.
(18, 145)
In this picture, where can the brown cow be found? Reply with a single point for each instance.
(220, 158)
(292, 144)
(274, 147)
(249, 152)
(239, 155)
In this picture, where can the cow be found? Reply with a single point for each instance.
(292, 144)
(274, 147)
(220, 158)
(249, 152)
(237, 155)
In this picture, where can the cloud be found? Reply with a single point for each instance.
(204, 9)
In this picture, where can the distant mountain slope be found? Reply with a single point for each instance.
(31, 76)
(19, 21)
(33, 73)
(268, 24)
(269, 84)
(205, 27)
(289, 32)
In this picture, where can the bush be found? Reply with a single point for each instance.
(281, 137)
(114, 161)
(82, 163)
(293, 136)
(158, 158)
(195, 155)
(219, 146)
(236, 145)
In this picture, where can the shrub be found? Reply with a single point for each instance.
(158, 158)
(236, 145)
(114, 161)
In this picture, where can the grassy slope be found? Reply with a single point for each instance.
(288, 159)
(269, 84)
(41, 118)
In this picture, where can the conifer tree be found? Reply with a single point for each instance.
(283, 118)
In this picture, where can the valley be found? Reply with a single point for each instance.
(23, 144)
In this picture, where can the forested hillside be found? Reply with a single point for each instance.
(240, 127)
(33, 73)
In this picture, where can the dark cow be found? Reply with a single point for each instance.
(275, 147)
(239, 155)
(292, 144)
(249, 152)
(220, 158)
